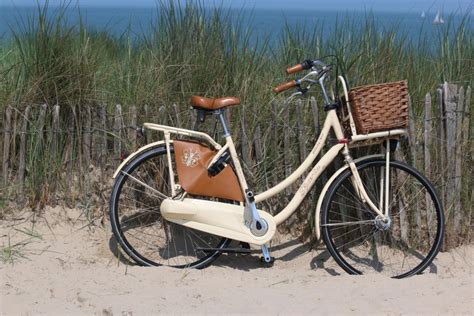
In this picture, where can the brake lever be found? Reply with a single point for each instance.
(293, 95)
(303, 90)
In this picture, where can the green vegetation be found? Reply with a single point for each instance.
(193, 50)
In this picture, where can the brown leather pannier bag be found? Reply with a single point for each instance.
(192, 160)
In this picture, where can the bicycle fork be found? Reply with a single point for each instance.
(382, 210)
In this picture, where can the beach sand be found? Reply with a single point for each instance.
(63, 266)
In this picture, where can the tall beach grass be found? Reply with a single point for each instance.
(194, 50)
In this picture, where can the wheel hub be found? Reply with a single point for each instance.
(382, 222)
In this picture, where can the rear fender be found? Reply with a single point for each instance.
(328, 184)
(138, 152)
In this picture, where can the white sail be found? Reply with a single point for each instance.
(423, 15)
(438, 19)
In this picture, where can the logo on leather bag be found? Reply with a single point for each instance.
(190, 158)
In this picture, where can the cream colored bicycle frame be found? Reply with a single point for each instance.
(331, 122)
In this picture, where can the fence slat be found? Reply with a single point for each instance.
(428, 129)
(458, 213)
(274, 142)
(132, 131)
(177, 115)
(55, 141)
(286, 146)
(86, 136)
(244, 141)
(450, 95)
(118, 132)
(69, 156)
(258, 144)
(22, 156)
(315, 110)
(441, 146)
(55, 138)
(300, 127)
(412, 134)
(6, 145)
(470, 152)
(103, 133)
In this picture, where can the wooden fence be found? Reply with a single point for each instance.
(50, 152)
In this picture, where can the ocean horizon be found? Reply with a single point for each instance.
(263, 23)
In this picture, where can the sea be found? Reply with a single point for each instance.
(263, 23)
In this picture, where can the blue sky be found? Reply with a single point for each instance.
(343, 5)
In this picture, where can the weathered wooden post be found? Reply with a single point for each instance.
(103, 132)
(118, 132)
(55, 138)
(450, 100)
(458, 211)
(6, 145)
(86, 136)
(132, 131)
(177, 115)
(69, 155)
(412, 134)
(54, 143)
(22, 155)
(441, 152)
(428, 129)
(301, 132)
(315, 110)
(469, 181)
(258, 144)
(244, 141)
(274, 142)
(286, 146)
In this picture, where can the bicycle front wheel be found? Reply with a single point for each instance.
(362, 242)
(138, 226)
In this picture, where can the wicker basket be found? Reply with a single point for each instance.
(380, 107)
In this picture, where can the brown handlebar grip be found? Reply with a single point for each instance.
(294, 69)
(285, 86)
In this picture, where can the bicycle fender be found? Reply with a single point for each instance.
(134, 154)
(326, 188)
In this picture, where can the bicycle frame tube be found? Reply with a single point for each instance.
(331, 122)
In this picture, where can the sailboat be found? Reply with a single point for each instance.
(438, 19)
(423, 15)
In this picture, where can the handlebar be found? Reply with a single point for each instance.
(285, 86)
(307, 64)
(317, 75)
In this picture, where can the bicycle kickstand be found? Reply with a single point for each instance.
(267, 259)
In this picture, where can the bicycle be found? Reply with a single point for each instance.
(180, 202)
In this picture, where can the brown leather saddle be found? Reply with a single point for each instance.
(213, 104)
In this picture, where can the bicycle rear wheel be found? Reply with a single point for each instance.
(140, 229)
(362, 243)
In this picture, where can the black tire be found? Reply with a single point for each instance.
(138, 226)
(362, 244)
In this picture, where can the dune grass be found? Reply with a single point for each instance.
(193, 50)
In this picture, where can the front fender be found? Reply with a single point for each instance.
(139, 151)
(328, 184)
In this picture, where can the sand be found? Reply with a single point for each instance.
(63, 266)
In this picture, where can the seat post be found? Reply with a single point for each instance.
(224, 123)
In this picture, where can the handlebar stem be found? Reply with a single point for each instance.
(325, 94)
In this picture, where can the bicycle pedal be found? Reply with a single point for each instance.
(267, 264)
